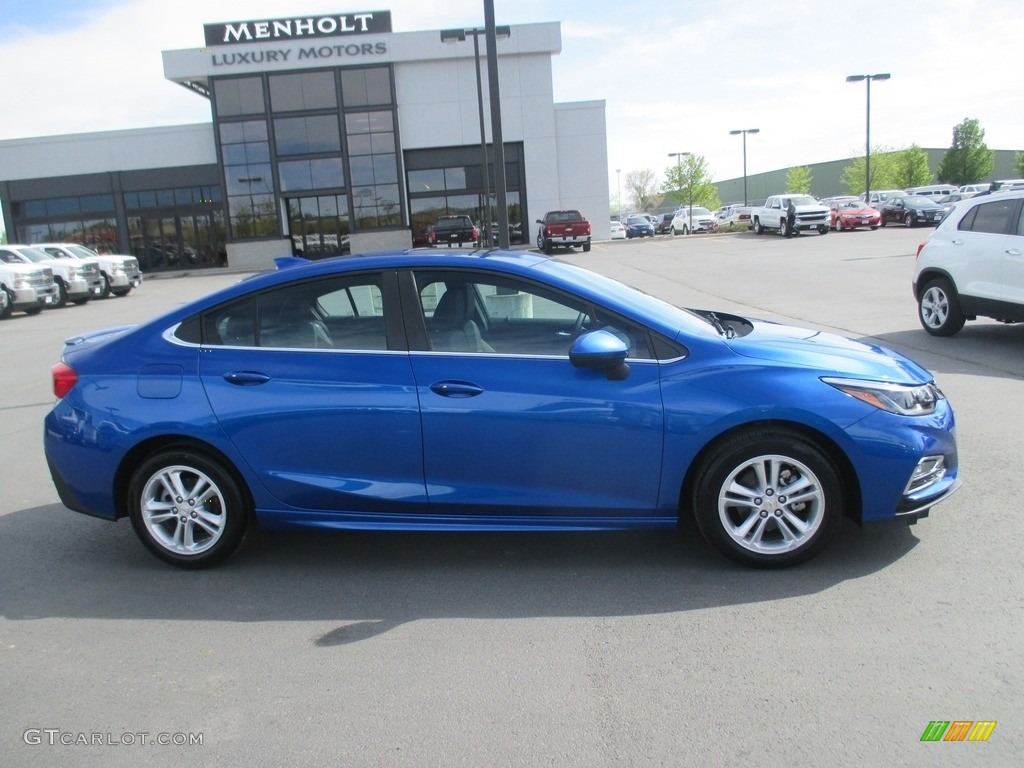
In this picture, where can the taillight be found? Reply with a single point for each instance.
(64, 378)
(476, 233)
(919, 247)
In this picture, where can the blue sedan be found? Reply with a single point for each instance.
(497, 391)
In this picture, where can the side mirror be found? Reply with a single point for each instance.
(601, 349)
(539, 221)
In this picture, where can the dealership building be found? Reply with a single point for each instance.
(329, 135)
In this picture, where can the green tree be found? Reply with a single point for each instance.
(3, 238)
(1018, 164)
(688, 182)
(883, 173)
(910, 168)
(641, 188)
(968, 159)
(799, 179)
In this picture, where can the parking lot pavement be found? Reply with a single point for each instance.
(577, 650)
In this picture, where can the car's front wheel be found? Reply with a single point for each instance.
(768, 498)
(908, 220)
(6, 303)
(938, 308)
(187, 509)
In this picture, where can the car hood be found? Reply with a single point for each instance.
(826, 351)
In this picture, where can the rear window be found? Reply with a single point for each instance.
(997, 217)
(564, 216)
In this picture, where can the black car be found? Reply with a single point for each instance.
(912, 210)
(664, 224)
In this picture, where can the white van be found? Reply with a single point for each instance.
(933, 190)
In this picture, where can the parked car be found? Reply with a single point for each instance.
(637, 225)
(689, 219)
(455, 229)
(563, 229)
(934, 191)
(880, 197)
(912, 210)
(120, 273)
(976, 188)
(970, 266)
(948, 201)
(664, 224)
(77, 281)
(618, 231)
(853, 214)
(496, 391)
(26, 288)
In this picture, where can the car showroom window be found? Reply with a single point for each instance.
(464, 313)
(995, 217)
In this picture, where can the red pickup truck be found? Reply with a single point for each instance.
(563, 229)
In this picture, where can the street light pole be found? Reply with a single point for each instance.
(867, 142)
(459, 35)
(679, 172)
(745, 131)
(618, 193)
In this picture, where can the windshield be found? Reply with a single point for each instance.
(918, 200)
(82, 252)
(33, 255)
(697, 211)
(803, 200)
(644, 306)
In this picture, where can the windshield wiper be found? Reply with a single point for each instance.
(728, 331)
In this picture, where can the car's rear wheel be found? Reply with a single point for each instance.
(187, 509)
(938, 308)
(586, 247)
(768, 498)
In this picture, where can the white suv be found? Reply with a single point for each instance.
(973, 265)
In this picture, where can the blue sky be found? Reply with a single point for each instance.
(676, 76)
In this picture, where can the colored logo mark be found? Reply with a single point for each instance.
(958, 730)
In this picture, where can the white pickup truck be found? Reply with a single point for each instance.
(772, 215)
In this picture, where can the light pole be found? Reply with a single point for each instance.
(867, 143)
(744, 131)
(459, 35)
(679, 172)
(618, 193)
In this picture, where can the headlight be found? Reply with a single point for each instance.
(904, 399)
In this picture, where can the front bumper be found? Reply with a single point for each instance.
(28, 298)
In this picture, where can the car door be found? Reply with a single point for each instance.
(1013, 261)
(510, 426)
(989, 249)
(312, 384)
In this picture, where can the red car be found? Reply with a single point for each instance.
(853, 213)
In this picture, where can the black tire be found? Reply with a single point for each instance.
(883, 222)
(762, 527)
(586, 247)
(822, 230)
(758, 229)
(784, 228)
(215, 518)
(908, 221)
(33, 310)
(6, 303)
(672, 231)
(938, 308)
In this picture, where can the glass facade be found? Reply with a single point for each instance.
(322, 142)
(442, 182)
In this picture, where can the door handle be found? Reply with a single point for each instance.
(456, 389)
(246, 378)
(1013, 251)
